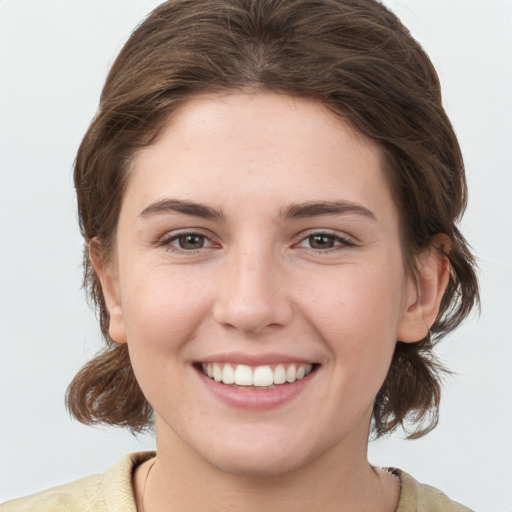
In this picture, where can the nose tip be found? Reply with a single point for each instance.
(247, 320)
(253, 298)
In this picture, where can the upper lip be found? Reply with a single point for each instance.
(254, 359)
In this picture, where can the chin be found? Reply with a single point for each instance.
(262, 455)
(252, 465)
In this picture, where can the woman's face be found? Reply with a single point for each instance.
(258, 236)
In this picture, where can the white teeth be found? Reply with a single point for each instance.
(263, 376)
(259, 376)
(217, 372)
(243, 375)
(291, 374)
(279, 375)
(228, 374)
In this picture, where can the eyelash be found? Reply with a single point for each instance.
(167, 241)
(337, 240)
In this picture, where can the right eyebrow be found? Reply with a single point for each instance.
(183, 207)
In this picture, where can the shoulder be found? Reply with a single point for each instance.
(110, 492)
(418, 497)
(70, 497)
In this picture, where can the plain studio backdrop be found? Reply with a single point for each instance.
(54, 56)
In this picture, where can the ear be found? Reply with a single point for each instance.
(107, 274)
(425, 290)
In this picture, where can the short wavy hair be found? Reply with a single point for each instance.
(353, 56)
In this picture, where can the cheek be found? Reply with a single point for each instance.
(163, 308)
(162, 315)
(368, 296)
(357, 314)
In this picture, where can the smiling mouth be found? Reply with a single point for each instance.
(257, 377)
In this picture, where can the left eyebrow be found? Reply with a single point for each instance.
(312, 209)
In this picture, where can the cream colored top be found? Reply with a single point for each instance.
(113, 492)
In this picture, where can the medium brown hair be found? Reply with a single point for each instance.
(353, 56)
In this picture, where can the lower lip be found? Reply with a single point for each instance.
(257, 398)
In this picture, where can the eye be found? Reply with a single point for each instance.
(190, 241)
(185, 242)
(321, 241)
(324, 241)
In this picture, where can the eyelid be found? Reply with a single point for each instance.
(343, 239)
(170, 236)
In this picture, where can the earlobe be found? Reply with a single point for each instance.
(110, 289)
(425, 292)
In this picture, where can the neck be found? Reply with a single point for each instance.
(340, 481)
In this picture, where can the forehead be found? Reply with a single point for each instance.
(221, 148)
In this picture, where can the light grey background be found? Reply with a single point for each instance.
(54, 56)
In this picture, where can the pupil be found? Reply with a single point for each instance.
(321, 242)
(191, 241)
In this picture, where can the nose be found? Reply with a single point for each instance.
(253, 295)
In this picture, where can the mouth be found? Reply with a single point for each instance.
(256, 377)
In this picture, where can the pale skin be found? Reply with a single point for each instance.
(262, 226)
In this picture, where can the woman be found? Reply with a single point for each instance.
(268, 197)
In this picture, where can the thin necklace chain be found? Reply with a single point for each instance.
(143, 509)
(145, 483)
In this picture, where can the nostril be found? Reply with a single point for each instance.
(252, 304)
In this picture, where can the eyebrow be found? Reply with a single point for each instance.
(312, 209)
(294, 211)
(183, 207)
